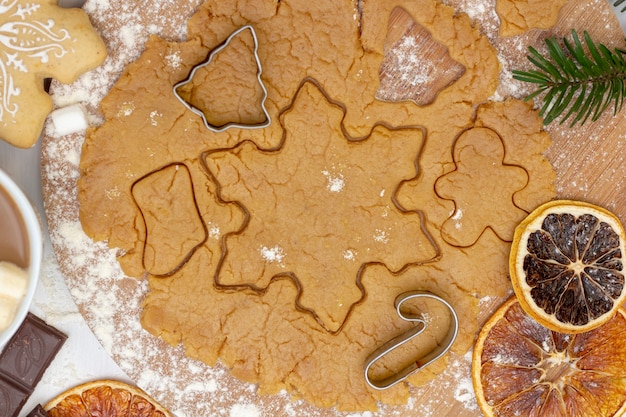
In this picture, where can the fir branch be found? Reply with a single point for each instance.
(576, 83)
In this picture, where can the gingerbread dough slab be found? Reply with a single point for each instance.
(277, 252)
(519, 16)
(40, 40)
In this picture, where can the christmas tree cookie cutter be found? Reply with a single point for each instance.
(215, 128)
(438, 351)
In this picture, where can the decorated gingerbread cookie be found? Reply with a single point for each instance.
(39, 40)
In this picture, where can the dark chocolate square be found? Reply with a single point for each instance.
(29, 352)
(38, 411)
(46, 84)
(12, 397)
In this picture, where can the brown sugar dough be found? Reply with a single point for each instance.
(40, 40)
(284, 347)
(518, 16)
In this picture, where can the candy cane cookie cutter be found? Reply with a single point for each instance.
(421, 324)
(207, 61)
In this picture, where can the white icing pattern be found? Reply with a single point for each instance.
(22, 41)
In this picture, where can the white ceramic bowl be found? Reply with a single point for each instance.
(35, 248)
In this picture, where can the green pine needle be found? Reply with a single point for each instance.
(577, 83)
(618, 2)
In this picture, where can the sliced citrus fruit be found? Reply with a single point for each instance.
(106, 398)
(566, 265)
(521, 368)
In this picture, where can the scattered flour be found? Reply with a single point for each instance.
(381, 236)
(174, 60)
(336, 182)
(214, 231)
(274, 254)
(413, 70)
(154, 117)
(458, 217)
(464, 393)
(349, 254)
(244, 410)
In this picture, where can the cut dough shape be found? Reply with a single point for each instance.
(312, 214)
(415, 67)
(174, 228)
(482, 186)
(226, 89)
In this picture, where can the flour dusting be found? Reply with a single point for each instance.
(336, 182)
(273, 254)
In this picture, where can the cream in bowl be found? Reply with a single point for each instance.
(21, 247)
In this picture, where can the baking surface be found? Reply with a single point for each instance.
(589, 165)
(589, 160)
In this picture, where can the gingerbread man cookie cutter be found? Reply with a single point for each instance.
(207, 61)
(421, 324)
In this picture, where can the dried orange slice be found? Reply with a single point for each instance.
(566, 265)
(520, 368)
(106, 398)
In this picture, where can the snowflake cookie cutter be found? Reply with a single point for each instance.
(207, 61)
(438, 351)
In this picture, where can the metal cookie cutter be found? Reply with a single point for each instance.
(210, 57)
(398, 341)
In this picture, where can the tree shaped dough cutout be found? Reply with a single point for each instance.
(226, 89)
(415, 66)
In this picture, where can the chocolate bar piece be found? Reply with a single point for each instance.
(46, 84)
(38, 411)
(24, 360)
(12, 397)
